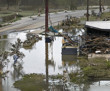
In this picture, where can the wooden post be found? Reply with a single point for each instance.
(87, 10)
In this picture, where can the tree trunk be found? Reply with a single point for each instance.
(18, 2)
(8, 5)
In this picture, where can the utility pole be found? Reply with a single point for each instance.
(46, 43)
(100, 6)
(87, 10)
(46, 16)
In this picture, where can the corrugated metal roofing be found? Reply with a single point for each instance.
(103, 25)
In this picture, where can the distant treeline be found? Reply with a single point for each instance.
(65, 4)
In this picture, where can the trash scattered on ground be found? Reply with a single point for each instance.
(96, 44)
(70, 23)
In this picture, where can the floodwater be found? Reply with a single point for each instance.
(35, 62)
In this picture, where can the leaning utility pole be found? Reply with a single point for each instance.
(87, 10)
(100, 6)
(46, 16)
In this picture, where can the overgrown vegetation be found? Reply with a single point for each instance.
(92, 69)
(31, 82)
(6, 19)
(65, 4)
(35, 82)
(105, 15)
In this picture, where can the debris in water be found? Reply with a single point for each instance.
(31, 39)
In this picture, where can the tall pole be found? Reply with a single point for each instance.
(46, 16)
(87, 10)
(100, 6)
(46, 44)
(46, 62)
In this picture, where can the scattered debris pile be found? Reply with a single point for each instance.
(96, 44)
(68, 41)
(31, 39)
(70, 21)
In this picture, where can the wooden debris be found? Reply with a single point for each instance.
(70, 21)
(94, 44)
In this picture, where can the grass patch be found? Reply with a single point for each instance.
(81, 8)
(32, 82)
(105, 15)
(95, 18)
(6, 13)
(28, 13)
(56, 76)
(92, 69)
(35, 82)
(91, 18)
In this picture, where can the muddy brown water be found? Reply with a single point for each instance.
(34, 62)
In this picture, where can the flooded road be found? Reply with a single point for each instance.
(35, 62)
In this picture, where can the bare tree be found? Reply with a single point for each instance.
(18, 2)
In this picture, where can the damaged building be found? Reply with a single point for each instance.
(98, 28)
(97, 39)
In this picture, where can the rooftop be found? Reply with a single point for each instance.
(102, 25)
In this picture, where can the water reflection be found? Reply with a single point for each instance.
(44, 59)
(5, 45)
(33, 62)
(17, 71)
(46, 62)
(100, 86)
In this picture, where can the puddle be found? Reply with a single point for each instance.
(100, 86)
(35, 62)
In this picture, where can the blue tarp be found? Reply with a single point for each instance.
(15, 57)
(53, 30)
